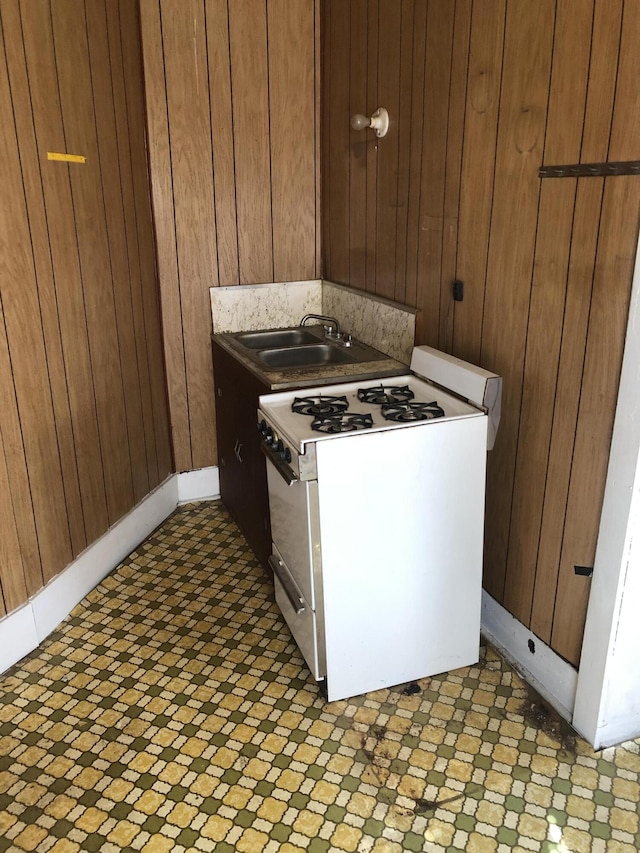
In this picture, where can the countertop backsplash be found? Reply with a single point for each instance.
(385, 325)
(274, 305)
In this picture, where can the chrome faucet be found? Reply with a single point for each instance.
(331, 325)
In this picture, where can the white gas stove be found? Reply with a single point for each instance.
(376, 494)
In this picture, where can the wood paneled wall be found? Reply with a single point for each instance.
(84, 418)
(481, 93)
(232, 100)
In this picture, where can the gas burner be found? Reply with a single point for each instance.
(319, 406)
(342, 423)
(412, 411)
(379, 395)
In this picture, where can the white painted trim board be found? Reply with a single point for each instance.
(548, 673)
(608, 697)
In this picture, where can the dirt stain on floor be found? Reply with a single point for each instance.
(541, 716)
(378, 756)
(425, 806)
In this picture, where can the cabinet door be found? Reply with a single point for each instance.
(243, 478)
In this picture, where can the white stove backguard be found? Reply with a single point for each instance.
(481, 387)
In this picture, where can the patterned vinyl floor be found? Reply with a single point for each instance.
(172, 711)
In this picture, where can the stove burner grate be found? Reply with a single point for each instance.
(342, 423)
(319, 406)
(389, 395)
(408, 412)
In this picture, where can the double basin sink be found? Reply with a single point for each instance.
(302, 346)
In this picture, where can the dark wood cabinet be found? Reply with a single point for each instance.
(243, 478)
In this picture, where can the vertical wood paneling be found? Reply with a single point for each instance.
(558, 469)
(250, 87)
(130, 223)
(77, 450)
(17, 588)
(358, 145)
(185, 52)
(605, 54)
(336, 117)
(373, 102)
(44, 276)
(544, 332)
(317, 114)
(12, 580)
(523, 104)
(504, 87)
(603, 357)
(222, 133)
(607, 18)
(164, 221)
(478, 171)
(116, 241)
(232, 115)
(625, 130)
(44, 97)
(434, 151)
(404, 146)
(455, 135)
(415, 156)
(130, 38)
(23, 328)
(76, 99)
(291, 92)
(390, 27)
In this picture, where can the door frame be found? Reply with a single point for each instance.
(607, 702)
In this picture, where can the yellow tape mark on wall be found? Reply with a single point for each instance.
(66, 158)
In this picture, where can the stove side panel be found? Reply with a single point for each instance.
(401, 527)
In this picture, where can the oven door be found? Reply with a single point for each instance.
(295, 527)
(296, 562)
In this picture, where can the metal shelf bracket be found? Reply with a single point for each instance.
(591, 170)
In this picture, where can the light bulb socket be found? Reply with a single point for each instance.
(380, 122)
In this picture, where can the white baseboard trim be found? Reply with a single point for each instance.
(203, 484)
(548, 673)
(22, 630)
(18, 636)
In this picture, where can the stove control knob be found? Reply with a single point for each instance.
(279, 447)
(287, 455)
(265, 431)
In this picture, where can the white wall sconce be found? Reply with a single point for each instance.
(379, 122)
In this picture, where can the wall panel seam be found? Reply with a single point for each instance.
(187, 438)
(108, 239)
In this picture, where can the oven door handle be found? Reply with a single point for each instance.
(293, 594)
(287, 473)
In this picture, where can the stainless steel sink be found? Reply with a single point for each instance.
(271, 339)
(305, 356)
(298, 348)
